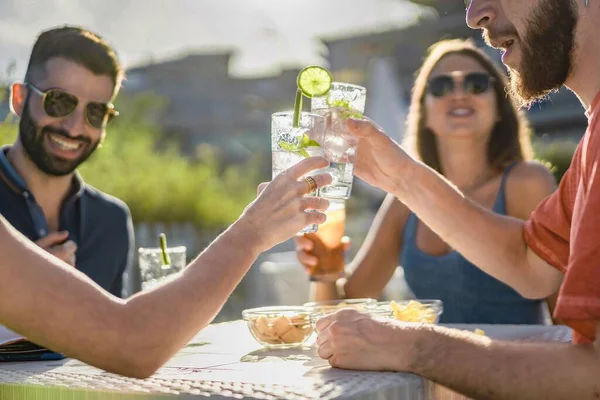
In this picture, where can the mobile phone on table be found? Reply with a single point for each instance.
(24, 350)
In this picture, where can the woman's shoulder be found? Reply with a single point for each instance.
(527, 184)
(526, 173)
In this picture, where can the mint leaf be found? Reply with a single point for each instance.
(339, 103)
(287, 146)
(303, 153)
(304, 141)
(297, 144)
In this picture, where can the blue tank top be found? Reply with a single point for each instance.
(469, 294)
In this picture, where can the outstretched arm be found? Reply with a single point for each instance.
(474, 365)
(493, 242)
(58, 307)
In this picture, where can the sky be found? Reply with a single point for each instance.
(266, 35)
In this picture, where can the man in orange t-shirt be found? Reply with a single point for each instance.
(546, 44)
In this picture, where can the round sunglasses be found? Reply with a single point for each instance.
(59, 103)
(472, 83)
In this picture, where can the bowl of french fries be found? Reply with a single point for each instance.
(279, 327)
(418, 311)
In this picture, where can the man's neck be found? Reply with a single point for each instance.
(49, 191)
(585, 77)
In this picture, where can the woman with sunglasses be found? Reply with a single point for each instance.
(464, 125)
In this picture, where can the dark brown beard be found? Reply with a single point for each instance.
(32, 139)
(547, 51)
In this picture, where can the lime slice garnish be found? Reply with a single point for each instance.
(314, 81)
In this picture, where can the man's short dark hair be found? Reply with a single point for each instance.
(78, 45)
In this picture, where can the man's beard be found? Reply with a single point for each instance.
(546, 51)
(32, 139)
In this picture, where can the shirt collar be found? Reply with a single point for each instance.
(593, 109)
(17, 181)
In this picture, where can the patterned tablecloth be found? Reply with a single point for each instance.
(224, 361)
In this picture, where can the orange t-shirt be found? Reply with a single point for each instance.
(564, 230)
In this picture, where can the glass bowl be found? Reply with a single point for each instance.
(279, 327)
(419, 311)
(318, 309)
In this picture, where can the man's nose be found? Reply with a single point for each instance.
(481, 13)
(74, 123)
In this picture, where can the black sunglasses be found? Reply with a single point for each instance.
(59, 103)
(473, 83)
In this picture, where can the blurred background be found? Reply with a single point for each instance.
(203, 78)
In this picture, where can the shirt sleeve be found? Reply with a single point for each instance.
(547, 232)
(126, 257)
(579, 297)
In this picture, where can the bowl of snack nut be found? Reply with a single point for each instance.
(420, 311)
(318, 309)
(279, 327)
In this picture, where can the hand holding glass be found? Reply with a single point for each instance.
(290, 145)
(343, 100)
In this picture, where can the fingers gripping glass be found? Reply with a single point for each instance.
(473, 83)
(59, 104)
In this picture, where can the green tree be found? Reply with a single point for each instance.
(160, 184)
(556, 154)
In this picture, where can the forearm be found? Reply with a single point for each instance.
(377, 258)
(369, 279)
(62, 309)
(171, 315)
(485, 369)
(322, 291)
(492, 242)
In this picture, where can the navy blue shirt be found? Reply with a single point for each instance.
(99, 224)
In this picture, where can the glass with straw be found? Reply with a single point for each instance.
(160, 264)
(296, 135)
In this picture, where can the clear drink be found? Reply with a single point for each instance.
(328, 246)
(344, 100)
(290, 145)
(153, 272)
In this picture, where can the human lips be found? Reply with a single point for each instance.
(502, 43)
(461, 111)
(64, 146)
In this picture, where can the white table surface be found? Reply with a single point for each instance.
(224, 361)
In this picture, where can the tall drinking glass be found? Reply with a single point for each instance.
(342, 101)
(329, 246)
(290, 145)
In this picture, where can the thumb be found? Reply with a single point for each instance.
(70, 246)
(52, 239)
(364, 128)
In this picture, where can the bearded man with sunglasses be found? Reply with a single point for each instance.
(64, 106)
(546, 44)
